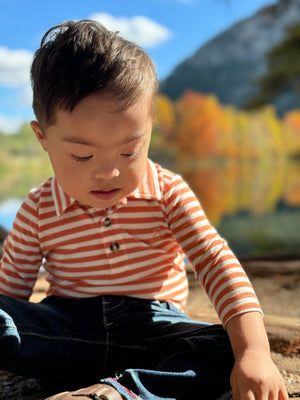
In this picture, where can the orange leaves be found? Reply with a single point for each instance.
(199, 127)
(292, 123)
(292, 186)
(292, 120)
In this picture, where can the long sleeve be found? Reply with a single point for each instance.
(216, 267)
(22, 256)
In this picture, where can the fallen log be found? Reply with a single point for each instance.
(263, 268)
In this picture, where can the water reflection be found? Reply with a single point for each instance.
(8, 210)
(254, 188)
(256, 207)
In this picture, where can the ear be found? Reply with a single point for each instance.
(39, 134)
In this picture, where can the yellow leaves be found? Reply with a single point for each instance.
(164, 118)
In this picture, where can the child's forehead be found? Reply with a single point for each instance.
(96, 118)
(107, 105)
(83, 140)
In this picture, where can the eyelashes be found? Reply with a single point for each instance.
(81, 159)
(128, 155)
(131, 155)
(85, 159)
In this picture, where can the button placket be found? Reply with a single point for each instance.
(114, 246)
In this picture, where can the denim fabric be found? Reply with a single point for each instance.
(147, 347)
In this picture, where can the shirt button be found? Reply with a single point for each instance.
(107, 221)
(114, 247)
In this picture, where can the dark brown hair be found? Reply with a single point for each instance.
(78, 58)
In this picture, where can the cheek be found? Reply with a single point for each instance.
(65, 169)
(137, 171)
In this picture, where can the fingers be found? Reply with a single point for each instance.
(247, 396)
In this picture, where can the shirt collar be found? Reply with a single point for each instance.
(148, 190)
(61, 199)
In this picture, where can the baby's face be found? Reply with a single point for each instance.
(99, 154)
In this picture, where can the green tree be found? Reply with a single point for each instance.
(283, 69)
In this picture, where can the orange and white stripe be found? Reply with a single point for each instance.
(136, 248)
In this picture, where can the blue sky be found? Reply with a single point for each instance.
(170, 30)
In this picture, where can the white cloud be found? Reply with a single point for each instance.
(10, 124)
(139, 29)
(14, 67)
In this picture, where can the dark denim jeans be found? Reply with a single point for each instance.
(144, 348)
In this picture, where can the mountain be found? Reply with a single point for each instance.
(229, 64)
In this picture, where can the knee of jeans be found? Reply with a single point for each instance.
(9, 337)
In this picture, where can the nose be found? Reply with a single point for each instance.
(106, 171)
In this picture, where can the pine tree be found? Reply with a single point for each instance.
(283, 69)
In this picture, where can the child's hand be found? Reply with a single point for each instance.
(255, 377)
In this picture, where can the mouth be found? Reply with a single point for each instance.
(105, 194)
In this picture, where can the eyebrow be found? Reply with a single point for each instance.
(77, 140)
(81, 140)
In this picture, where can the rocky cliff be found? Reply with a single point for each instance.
(229, 64)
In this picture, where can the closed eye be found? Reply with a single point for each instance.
(131, 155)
(81, 159)
(128, 154)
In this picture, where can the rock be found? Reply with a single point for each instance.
(3, 234)
(13, 387)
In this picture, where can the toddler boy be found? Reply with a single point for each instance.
(112, 230)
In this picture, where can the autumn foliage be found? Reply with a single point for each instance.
(244, 156)
(199, 127)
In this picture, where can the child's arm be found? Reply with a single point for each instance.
(22, 256)
(254, 376)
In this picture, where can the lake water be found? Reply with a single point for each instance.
(8, 210)
(255, 207)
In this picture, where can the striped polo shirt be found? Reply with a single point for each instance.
(135, 248)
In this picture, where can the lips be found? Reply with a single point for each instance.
(105, 194)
